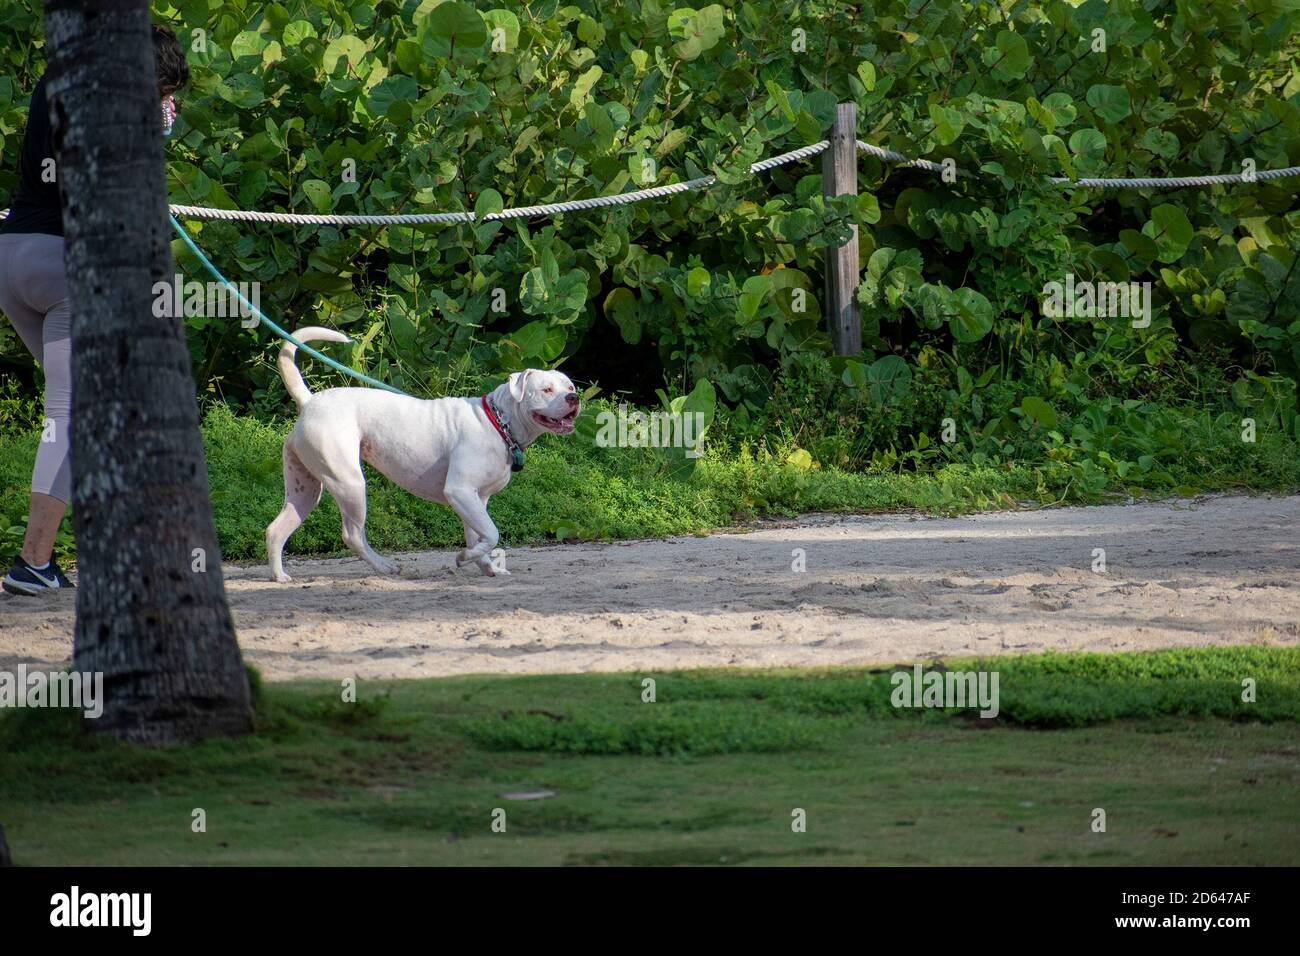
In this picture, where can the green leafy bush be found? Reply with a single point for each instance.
(439, 106)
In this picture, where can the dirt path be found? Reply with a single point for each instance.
(878, 589)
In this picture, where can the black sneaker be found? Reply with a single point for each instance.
(25, 579)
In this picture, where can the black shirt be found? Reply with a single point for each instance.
(36, 200)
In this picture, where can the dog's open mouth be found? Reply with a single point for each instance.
(561, 426)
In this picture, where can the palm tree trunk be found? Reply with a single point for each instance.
(148, 618)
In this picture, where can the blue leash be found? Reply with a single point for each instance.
(271, 325)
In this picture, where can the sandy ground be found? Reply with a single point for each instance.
(877, 589)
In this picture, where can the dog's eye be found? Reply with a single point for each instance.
(547, 390)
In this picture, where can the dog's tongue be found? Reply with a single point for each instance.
(564, 424)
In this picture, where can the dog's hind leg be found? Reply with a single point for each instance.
(301, 494)
(348, 488)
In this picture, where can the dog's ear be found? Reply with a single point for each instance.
(518, 381)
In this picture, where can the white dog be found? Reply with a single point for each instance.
(456, 451)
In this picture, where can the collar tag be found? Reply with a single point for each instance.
(502, 425)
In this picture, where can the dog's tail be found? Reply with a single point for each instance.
(298, 390)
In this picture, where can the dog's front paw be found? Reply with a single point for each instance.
(281, 578)
(491, 570)
(462, 557)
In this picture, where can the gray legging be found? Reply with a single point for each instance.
(34, 295)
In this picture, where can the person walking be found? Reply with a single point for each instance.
(34, 298)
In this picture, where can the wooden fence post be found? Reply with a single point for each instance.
(840, 178)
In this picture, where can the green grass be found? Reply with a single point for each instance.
(711, 772)
(573, 489)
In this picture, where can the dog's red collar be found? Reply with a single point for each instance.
(516, 453)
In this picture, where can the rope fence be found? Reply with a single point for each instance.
(1178, 182)
(522, 212)
(600, 202)
(704, 182)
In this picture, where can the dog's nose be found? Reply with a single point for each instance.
(571, 398)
